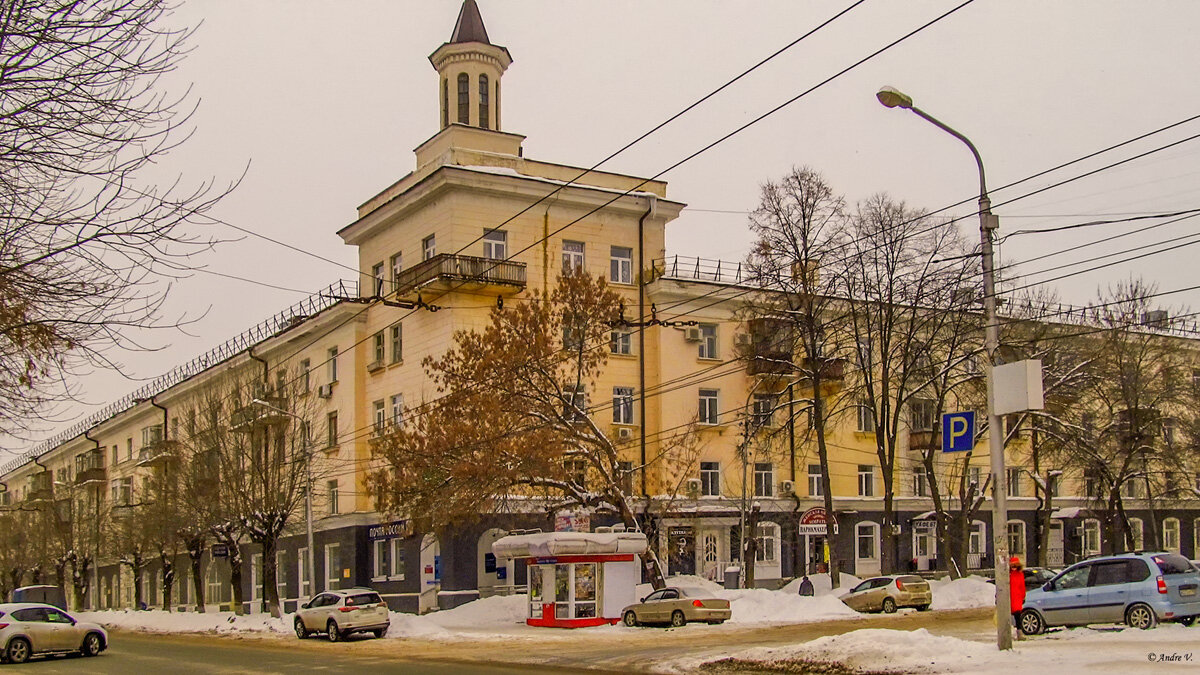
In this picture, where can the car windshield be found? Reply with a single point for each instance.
(1173, 563)
(363, 599)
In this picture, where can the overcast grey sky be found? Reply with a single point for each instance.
(324, 101)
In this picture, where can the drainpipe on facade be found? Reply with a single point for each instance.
(266, 369)
(651, 207)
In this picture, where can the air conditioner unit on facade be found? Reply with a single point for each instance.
(693, 486)
(691, 333)
(325, 390)
(743, 340)
(624, 434)
(787, 488)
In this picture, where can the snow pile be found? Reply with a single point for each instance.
(758, 605)
(497, 614)
(874, 650)
(822, 584)
(157, 621)
(965, 593)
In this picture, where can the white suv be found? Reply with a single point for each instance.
(28, 628)
(340, 613)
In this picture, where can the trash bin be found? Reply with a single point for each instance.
(733, 576)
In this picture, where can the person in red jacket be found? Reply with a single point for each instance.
(1016, 590)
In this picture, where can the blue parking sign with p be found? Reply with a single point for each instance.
(958, 431)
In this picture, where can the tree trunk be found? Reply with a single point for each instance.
(168, 579)
(270, 591)
(889, 546)
(79, 580)
(197, 558)
(139, 569)
(235, 577)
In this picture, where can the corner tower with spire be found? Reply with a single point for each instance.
(469, 69)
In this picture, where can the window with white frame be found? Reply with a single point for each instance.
(708, 406)
(919, 482)
(866, 537)
(397, 335)
(1171, 534)
(1016, 538)
(397, 266)
(1091, 537)
(304, 583)
(377, 278)
(975, 475)
(399, 569)
(814, 481)
(379, 414)
(280, 579)
(763, 410)
(381, 559)
(572, 256)
(1014, 482)
(574, 403)
(331, 429)
(331, 364)
(866, 480)
(333, 567)
(397, 410)
(620, 269)
(305, 376)
(256, 577)
(767, 538)
(620, 341)
(866, 417)
(764, 479)
(212, 584)
(331, 489)
(429, 247)
(622, 405)
(708, 341)
(710, 479)
(922, 414)
(495, 244)
(1136, 535)
(378, 343)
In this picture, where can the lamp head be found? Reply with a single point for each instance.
(893, 98)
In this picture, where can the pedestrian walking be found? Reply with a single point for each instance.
(1016, 592)
(806, 586)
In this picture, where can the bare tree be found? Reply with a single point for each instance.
(84, 239)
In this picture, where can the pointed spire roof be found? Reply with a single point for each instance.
(469, 27)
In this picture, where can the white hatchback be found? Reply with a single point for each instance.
(342, 612)
(28, 628)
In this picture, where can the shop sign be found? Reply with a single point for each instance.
(398, 528)
(573, 522)
(814, 521)
(924, 525)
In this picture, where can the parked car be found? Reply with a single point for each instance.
(676, 606)
(342, 612)
(1140, 589)
(888, 593)
(29, 628)
(1035, 577)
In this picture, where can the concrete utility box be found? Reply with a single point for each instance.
(1018, 387)
(577, 579)
(733, 578)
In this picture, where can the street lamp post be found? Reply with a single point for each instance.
(308, 514)
(988, 224)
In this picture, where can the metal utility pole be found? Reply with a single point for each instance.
(988, 224)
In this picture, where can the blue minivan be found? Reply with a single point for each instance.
(1139, 589)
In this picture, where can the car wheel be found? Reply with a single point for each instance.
(1031, 622)
(378, 632)
(922, 608)
(678, 619)
(718, 622)
(1140, 616)
(18, 650)
(301, 631)
(631, 619)
(1188, 620)
(332, 631)
(91, 645)
(889, 606)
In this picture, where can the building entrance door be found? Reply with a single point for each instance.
(924, 548)
(1054, 548)
(815, 554)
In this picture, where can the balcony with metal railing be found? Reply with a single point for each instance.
(89, 468)
(475, 273)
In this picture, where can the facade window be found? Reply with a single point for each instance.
(573, 337)
(398, 410)
(379, 414)
(332, 489)
(576, 470)
(303, 574)
(866, 417)
(331, 430)
(1091, 537)
(622, 405)
(388, 559)
(1136, 535)
(708, 340)
(397, 335)
(464, 96)
(377, 278)
(445, 103)
(1091, 484)
(620, 269)
(767, 538)
(708, 406)
(305, 375)
(625, 477)
(764, 410)
(923, 414)
(429, 247)
(764, 479)
(377, 347)
(919, 485)
(397, 266)
(710, 479)
(1131, 489)
(128, 449)
(122, 491)
(1016, 538)
(331, 364)
(814, 481)
(484, 115)
(1014, 482)
(574, 404)
(280, 578)
(116, 458)
(975, 476)
(1171, 535)
(620, 341)
(1169, 426)
(495, 244)
(864, 541)
(866, 480)
(572, 256)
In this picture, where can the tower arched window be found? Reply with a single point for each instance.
(464, 94)
(445, 103)
(484, 116)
